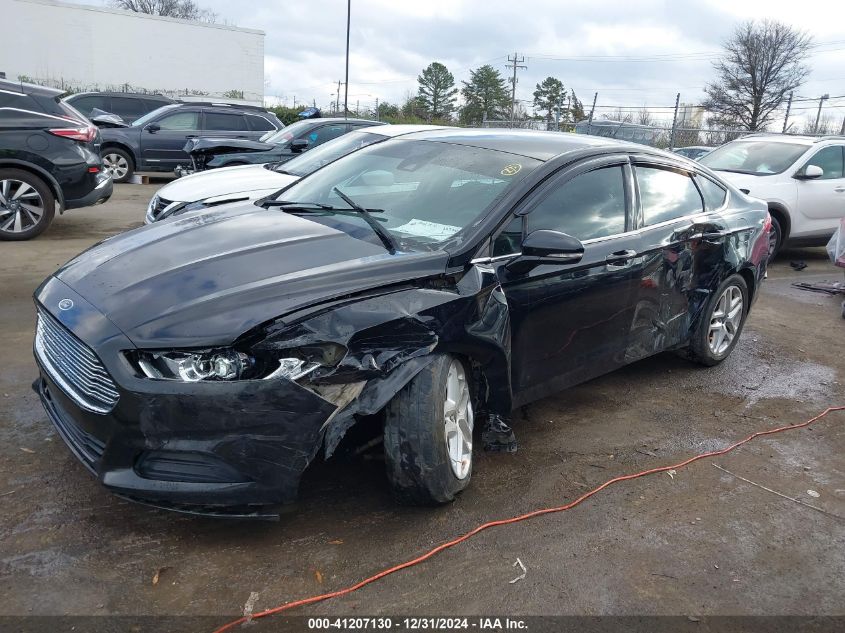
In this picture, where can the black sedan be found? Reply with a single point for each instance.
(431, 280)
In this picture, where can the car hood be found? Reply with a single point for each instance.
(205, 279)
(243, 179)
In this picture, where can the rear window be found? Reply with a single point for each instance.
(128, 107)
(714, 195)
(259, 123)
(86, 103)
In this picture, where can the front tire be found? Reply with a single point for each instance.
(27, 205)
(775, 238)
(118, 163)
(428, 434)
(721, 324)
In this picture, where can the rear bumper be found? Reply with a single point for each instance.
(101, 192)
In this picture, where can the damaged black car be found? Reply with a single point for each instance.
(436, 281)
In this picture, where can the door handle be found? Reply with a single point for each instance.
(839, 189)
(620, 259)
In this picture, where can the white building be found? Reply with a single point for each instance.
(87, 48)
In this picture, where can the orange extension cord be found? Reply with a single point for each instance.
(416, 561)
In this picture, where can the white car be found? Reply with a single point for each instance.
(252, 182)
(802, 178)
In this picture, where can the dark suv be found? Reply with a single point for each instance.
(128, 106)
(49, 157)
(156, 141)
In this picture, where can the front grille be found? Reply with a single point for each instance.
(157, 205)
(88, 448)
(73, 366)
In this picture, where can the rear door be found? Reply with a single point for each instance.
(570, 323)
(163, 139)
(681, 250)
(824, 198)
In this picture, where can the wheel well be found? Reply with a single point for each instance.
(125, 148)
(54, 186)
(748, 276)
(780, 214)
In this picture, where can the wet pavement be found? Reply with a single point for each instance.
(698, 542)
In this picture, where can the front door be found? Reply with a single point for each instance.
(570, 323)
(823, 198)
(163, 143)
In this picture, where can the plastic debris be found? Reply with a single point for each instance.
(522, 575)
(813, 494)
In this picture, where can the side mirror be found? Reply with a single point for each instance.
(811, 172)
(547, 247)
(152, 128)
(298, 145)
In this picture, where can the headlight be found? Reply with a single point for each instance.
(228, 364)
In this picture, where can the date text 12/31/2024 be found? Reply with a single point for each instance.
(417, 624)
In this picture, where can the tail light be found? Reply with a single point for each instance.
(86, 133)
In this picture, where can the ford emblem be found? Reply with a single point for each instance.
(65, 304)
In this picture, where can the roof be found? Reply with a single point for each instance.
(29, 89)
(144, 95)
(530, 143)
(797, 139)
(401, 129)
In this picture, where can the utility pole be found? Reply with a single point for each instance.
(593, 109)
(674, 122)
(842, 129)
(357, 105)
(788, 108)
(337, 102)
(346, 85)
(377, 119)
(516, 63)
(294, 102)
(819, 113)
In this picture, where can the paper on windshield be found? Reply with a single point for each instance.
(431, 230)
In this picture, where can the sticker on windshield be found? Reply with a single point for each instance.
(431, 230)
(511, 170)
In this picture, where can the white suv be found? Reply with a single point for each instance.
(802, 179)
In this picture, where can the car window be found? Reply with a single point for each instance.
(88, 102)
(760, 158)
(259, 123)
(180, 121)
(589, 206)
(324, 133)
(509, 241)
(225, 121)
(666, 195)
(714, 195)
(309, 162)
(830, 160)
(127, 107)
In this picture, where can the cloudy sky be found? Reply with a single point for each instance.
(633, 53)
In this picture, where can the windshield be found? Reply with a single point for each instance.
(286, 134)
(321, 155)
(759, 158)
(428, 192)
(151, 115)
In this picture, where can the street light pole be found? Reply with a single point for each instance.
(346, 88)
(819, 113)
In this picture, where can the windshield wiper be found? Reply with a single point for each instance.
(384, 235)
(292, 206)
(738, 171)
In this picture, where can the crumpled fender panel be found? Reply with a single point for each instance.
(390, 335)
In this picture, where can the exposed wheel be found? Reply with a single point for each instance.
(775, 238)
(118, 163)
(428, 434)
(27, 205)
(721, 324)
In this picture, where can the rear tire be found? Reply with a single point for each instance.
(119, 163)
(27, 205)
(428, 435)
(721, 324)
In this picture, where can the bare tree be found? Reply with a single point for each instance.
(762, 62)
(644, 117)
(620, 115)
(183, 9)
(826, 125)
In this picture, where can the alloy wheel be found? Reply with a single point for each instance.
(116, 165)
(458, 419)
(725, 320)
(21, 206)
